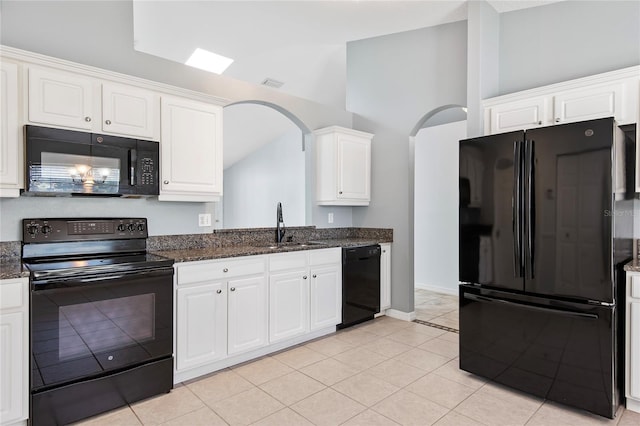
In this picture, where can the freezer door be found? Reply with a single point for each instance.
(558, 351)
(569, 210)
(490, 206)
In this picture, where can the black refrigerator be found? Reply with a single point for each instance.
(539, 298)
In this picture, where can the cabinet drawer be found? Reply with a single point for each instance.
(324, 256)
(283, 261)
(635, 286)
(219, 269)
(12, 294)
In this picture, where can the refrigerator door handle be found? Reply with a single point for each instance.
(516, 203)
(530, 207)
(523, 305)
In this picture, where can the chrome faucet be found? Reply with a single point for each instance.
(279, 224)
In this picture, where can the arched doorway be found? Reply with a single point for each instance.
(264, 163)
(435, 248)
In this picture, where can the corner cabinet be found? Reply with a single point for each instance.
(14, 350)
(632, 374)
(190, 150)
(385, 276)
(11, 162)
(343, 167)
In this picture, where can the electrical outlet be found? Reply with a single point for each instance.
(330, 218)
(204, 219)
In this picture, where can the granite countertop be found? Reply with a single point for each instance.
(12, 268)
(209, 253)
(633, 266)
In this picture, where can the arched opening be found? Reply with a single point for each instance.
(435, 196)
(264, 163)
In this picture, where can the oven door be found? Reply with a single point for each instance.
(83, 328)
(68, 162)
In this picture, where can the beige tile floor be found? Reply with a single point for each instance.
(383, 372)
(436, 308)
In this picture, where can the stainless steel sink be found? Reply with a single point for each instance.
(295, 244)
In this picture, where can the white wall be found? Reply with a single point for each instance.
(392, 82)
(436, 207)
(566, 40)
(254, 185)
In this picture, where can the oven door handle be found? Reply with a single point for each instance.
(45, 283)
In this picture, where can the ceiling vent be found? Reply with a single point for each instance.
(272, 83)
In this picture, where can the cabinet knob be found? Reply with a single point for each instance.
(87, 119)
(107, 122)
(233, 289)
(539, 123)
(166, 182)
(315, 276)
(304, 278)
(557, 120)
(340, 192)
(218, 291)
(225, 270)
(384, 251)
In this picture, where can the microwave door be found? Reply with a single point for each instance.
(118, 155)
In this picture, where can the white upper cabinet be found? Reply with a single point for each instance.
(190, 150)
(11, 167)
(588, 103)
(612, 94)
(518, 115)
(61, 99)
(64, 99)
(343, 167)
(130, 111)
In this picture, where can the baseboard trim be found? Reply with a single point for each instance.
(633, 405)
(437, 289)
(404, 316)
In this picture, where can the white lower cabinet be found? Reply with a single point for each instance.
(247, 315)
(632, 374)
(289, 305)
(385, 276)
(14, 349)
(232, 310)
(198, 344)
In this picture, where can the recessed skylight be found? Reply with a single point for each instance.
(208, 61)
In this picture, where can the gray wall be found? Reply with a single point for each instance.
(100, 34)
(392, 82)
(567, 40)
(254, 185)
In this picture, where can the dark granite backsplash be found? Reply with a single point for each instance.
(262, 237)
(10, 249)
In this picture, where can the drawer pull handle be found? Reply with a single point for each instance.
(314, 276)
(233, 289)
(87, 119)
(225, 270)
(218, 291)
(108, 122)
(304, 278)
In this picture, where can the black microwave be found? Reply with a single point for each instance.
(66, 162)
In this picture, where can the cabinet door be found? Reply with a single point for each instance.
(130, 111)
(354, 168)
(10, 147)
(13, 386)
(326, 297)
(60, 99)
(385, 277)
(518, 115)
(288, 305)
(587, 104)
(191, 148)
(247, 314)
(201, 318)
(633, 375)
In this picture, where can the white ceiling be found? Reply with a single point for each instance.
(301, 43)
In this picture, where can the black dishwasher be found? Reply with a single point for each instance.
(360, 284)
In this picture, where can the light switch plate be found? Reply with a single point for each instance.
(330, 218)
(204, 219)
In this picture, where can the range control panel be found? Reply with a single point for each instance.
(64, 230)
